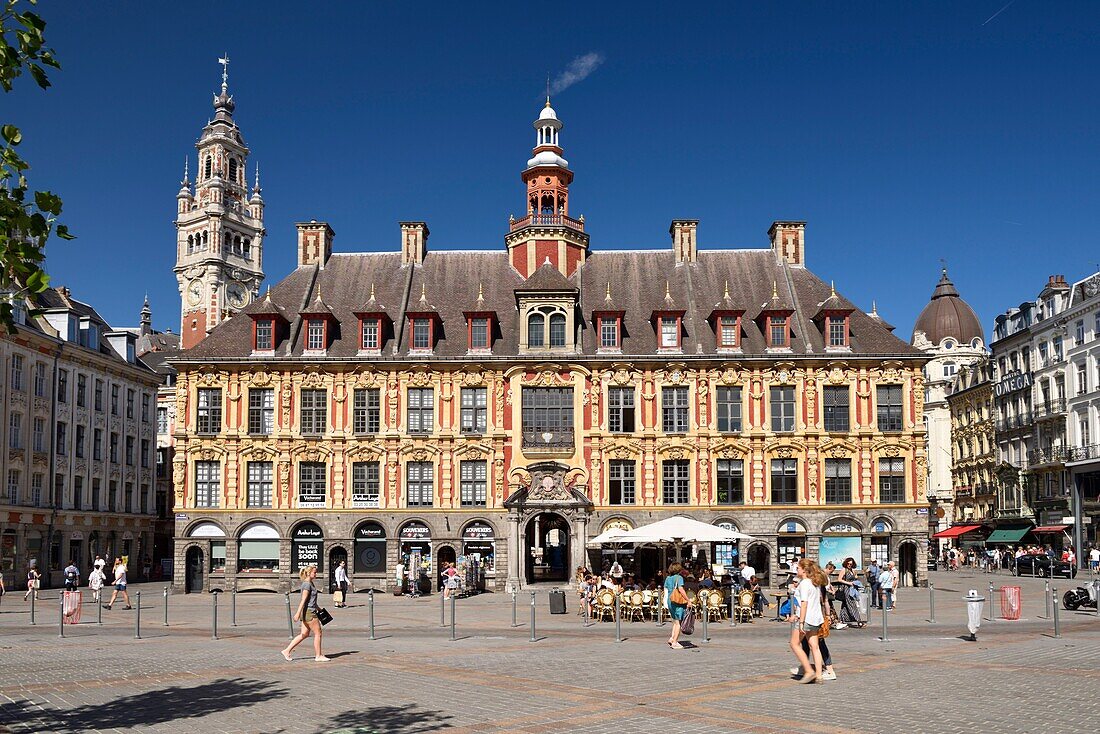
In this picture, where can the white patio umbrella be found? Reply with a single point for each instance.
(679, 530)
(608, 536)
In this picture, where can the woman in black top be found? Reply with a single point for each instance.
(307, 615)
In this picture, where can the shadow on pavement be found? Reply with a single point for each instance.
(388, 719)
(148, 708)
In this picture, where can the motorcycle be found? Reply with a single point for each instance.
(1082, 596)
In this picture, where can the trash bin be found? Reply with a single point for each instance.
(557, 602)
(864, 601)
(1011, 602)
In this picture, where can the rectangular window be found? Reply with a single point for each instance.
(261, 411)
(422, 334)
(728, 333)
(370, 336)
(1079, 332)
(366, 410)
(97, 444)
(209, 417)
(782, 407)
(128, 497)
(259, 484)
(838, 335)
(143, 493)
(891, 480)
(312, 488)
(62, 386)
(315, 335)
(81, 391)
(547, 415)
(144, 408)
(835, 408)
(474, 409)
(15, 431)
(36, 489)
(674, 409)
(80, 442)
(1057, 342)
(730, 488)
(365, 484)
(129, 451)
(838, 481)
(889, 408)
(557, 330)
(420, 415)
(113, 453)
(39, 380)
(620, 482)
(474, 477)
(99, 395)
(265, 335)
(208, 479)
(129, 404)
(58, 489)
(144, 453)
(96, 484)
(419, 484)
(162, 420)
(39, 435)
(17, 372)
(609, 333)
(479, 333)
(777, 331)
(1082, 379)
(13, 486)
(670, 332)
(675, 482)
(314, 412)
(112, 496)
(62, 439)
(620, 409)
(784, 481)
(727, 407)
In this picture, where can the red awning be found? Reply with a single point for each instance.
(1050, 529)
(955, 531)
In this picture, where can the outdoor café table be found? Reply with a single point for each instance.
(780, 596)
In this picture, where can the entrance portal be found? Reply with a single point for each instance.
(546, 554)
(336, 555)
(907, 563)
(445, 555)
(193, 576)
(760, 558)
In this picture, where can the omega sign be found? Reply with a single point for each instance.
(1013, 382)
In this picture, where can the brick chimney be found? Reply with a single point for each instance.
(414, 242)
(789, 242)
(684, 249)
(314, 243)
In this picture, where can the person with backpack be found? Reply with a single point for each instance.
(873, 573)
(72, 576)
(34, 580)
(96, 579)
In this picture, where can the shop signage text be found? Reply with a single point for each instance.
(1012, 382)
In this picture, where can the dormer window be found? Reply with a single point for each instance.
(670, 332)
(370, 334)
(265, 335)
(609, 332)
(557, 330)
(315, 335)
(422, 334)
(536, 330)
(778, 331)
(729, 332)
(547, 328)
(837, 331)
(479, 333)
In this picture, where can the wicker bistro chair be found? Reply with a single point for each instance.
(743, 606)
(635, 605)
(605, 604)
(716, 610)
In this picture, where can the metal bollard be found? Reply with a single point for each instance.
(989, 609)
(61, 614)
(931, 603)
(706, 614)
(1057, 627)
(885, 624)
(98, 613)
(442, 609)
(532, 616)
(660, 613)
(514, 622)
(33, 597)
(370, 611)
(214, 615)
(584, 608)
(618, 621)
(137, 618)
(1097, 597)
(289, 619)
(1046, 600)
(165, 606)
(233, 608)
(452, 616)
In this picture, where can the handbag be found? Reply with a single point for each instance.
(827, 622)
(323, 616)
(678, 596)
(687, 624)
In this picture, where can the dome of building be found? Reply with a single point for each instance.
(948, 315)
(547, 158)
(548, 112)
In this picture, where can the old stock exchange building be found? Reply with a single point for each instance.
(509, 405)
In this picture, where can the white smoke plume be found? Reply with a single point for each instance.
(577, 71)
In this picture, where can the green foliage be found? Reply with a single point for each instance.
(27, 218)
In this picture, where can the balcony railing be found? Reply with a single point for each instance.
(1014, 422)
(547, 220)
(1049, 455)
(1084, 453)
(548, 438)
(1050, 409)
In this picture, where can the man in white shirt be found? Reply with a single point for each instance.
(747, 571)
(1094, 558)
(617, 571)
(888, 582)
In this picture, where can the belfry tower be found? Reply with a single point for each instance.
(547, 232)
(219, 227)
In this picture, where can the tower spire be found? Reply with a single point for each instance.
(224, 61)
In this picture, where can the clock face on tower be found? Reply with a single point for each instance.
(236, 295)
(194, 292)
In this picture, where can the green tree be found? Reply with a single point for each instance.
(27, 218)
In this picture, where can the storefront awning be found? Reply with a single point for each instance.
(1007, 535)
(955, 531)
(1050, 529)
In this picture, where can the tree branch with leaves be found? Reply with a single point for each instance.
(27, 218)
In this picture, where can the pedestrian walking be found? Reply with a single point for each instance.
(450, 580)
(888, 583)
(1094, 559)
(342, 585)
(399, 578)
(34, 580)
(2, 589)
(873, 573)
(307, 616)
(96, 579)
(811, 616)
(120, 584)
(72, 577)
(677, 603)
(848, 590)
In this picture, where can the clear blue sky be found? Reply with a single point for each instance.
(902, 132)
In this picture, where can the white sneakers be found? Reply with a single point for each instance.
(827, 675)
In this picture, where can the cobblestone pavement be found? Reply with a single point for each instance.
(1017, 678)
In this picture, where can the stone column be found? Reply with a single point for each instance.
(514, 553)
(580, 527)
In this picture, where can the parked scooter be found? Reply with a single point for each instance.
(1082, 596)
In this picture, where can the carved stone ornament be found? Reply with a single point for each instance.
(312, 455)
(313, 378)
(260, 378)
(18, 399)
(623, 376)
(473, 377)
(420, 455)
(211, 378)
(731, 375)
(548, 486)
(836, 374)
(420, 379)
(41, 405)
(207, 454)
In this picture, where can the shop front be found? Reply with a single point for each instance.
(841, 538)
(726, 555)
(790, 543)
(258, 549)
(306, 547)
(415, 539)
(479, 547)
(370, 550)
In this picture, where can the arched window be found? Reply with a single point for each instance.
(190, 244)
(536, 324)
(547, 208)
(233, 170)
(557, 330)
(207, 167)
(247, 251)
(237, 244)
(205, 239)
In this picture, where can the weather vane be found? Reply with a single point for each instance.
(224, 61)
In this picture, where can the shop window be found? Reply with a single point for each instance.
(258, 548)
(217, 556)
(370, 548)
(790, 550)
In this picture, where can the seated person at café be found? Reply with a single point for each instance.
(757, 596)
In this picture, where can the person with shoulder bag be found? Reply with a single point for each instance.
(677, 603)
(33, 582)
(309, 615)
(811, 619)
